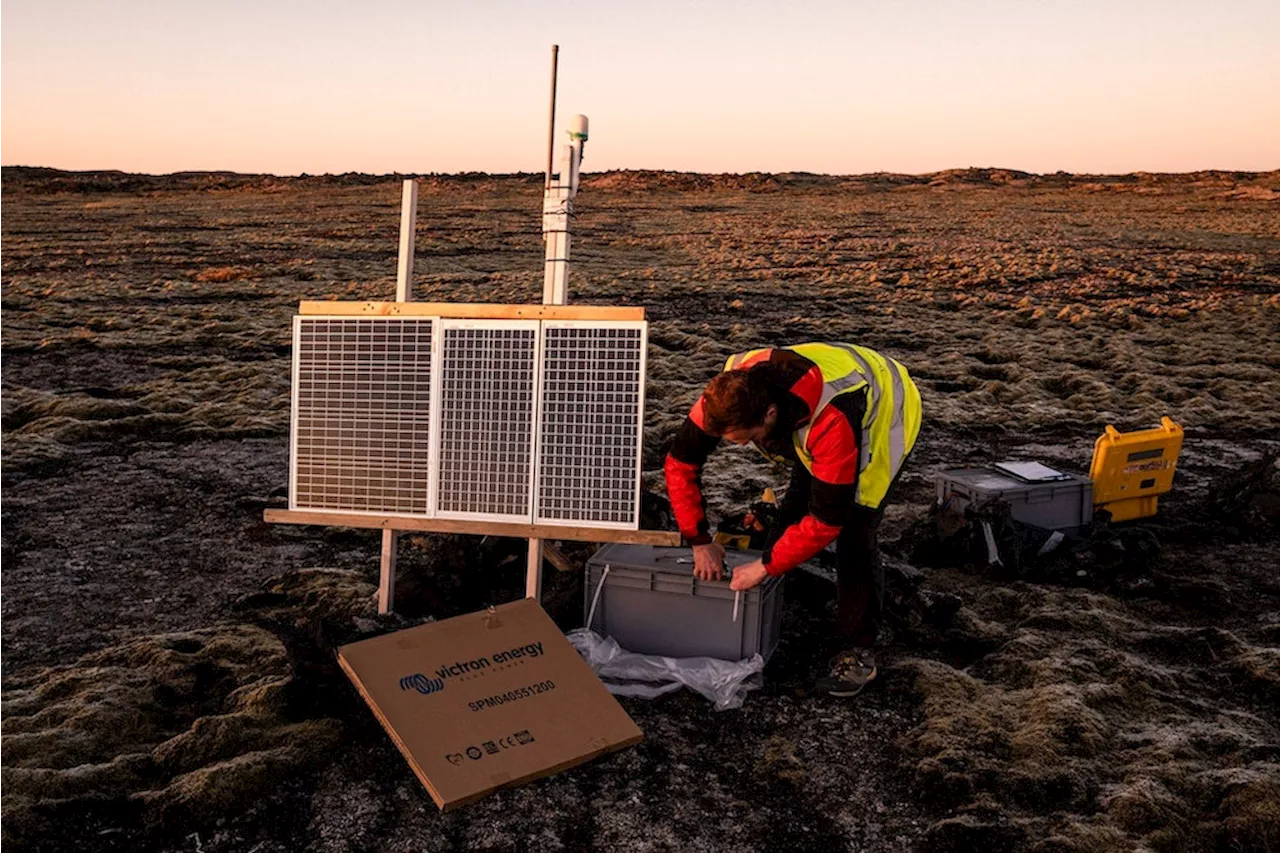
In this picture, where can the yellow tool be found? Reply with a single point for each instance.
(739, 541)
(742, 541)
(1131, 470)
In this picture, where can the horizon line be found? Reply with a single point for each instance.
(539, 174)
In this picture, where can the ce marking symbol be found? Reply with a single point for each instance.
(508, 742)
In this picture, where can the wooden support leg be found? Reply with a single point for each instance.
(533, 577)
(387, 578)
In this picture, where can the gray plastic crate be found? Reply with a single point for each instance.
(1065, 505)
(652, 604)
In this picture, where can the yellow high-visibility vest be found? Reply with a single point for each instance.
(892, 419)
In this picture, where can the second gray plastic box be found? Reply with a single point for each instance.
(652, 604)
(1065, 505)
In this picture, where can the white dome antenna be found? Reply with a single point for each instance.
(578, 127)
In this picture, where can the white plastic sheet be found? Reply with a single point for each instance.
(624, 673)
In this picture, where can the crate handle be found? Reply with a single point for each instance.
(993, 550)
(737, 601)
(595, 599)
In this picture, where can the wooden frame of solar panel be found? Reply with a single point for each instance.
(619, 422)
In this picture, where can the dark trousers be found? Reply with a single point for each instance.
(859, 573)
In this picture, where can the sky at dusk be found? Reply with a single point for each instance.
(852, 87)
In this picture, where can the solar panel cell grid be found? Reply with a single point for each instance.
(362, 414)
(488, 386)
(592, 405)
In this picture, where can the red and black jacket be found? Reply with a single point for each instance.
(796, 383)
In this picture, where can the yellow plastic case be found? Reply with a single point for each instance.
(1131, 470)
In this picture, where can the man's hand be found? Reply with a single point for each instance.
(708, 561)
(745, 577)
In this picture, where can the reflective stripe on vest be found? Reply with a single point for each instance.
(734, 361)
(893, 413)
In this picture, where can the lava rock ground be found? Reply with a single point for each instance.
(169, 681)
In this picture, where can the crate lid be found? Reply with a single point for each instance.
(1032, 472)
(677, 562)
(992, 481)
(659, 559)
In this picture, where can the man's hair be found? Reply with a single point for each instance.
(736, 399)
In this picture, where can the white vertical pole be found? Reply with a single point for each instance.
(408, 224)
(555, 226)
(557, 208)
(560, 264)
(404, 293)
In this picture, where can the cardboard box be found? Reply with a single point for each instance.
(487, 700)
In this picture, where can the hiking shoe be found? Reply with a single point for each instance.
(851, 672)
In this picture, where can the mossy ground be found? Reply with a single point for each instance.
(169, 681)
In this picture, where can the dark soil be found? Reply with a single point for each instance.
(169, 683)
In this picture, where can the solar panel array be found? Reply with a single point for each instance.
(492, 420)
(361, 414)
(591, 412)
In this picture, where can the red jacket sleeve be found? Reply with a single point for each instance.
(683, 470)
(834, 447)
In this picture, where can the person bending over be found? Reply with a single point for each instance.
(847, 418)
